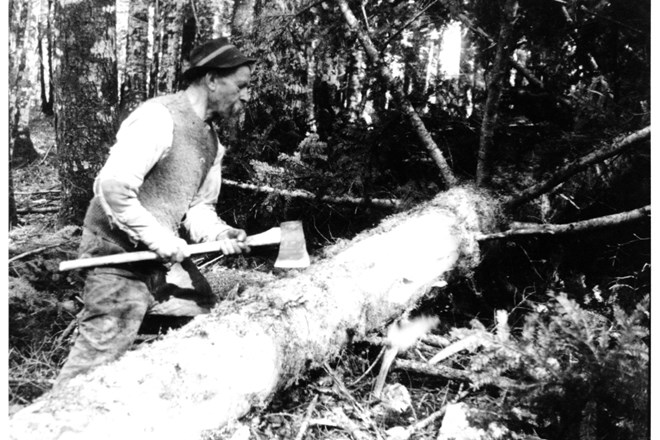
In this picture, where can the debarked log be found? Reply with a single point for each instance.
(213, 370)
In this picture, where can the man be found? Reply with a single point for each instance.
(163, 173)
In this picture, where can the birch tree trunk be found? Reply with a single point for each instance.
(495, 84)
(167, 56)
(45, 57)
(134, 87)
(85, 98)
(23, 81)
(212, 371)
(242, 18)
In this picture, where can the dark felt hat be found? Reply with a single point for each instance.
(217, 54)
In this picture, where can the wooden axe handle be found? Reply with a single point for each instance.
(271, 236)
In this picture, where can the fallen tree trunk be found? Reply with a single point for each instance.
(216, 368)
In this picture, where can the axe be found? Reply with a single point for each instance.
(292, 253)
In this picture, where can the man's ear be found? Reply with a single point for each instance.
(209, 81)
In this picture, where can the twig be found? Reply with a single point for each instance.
(308, 415)
(43, 159)
(213, 261)
(356, 381)
(32, 252)
(344, 391)
(67, 331)
(552, 229)
(427, 421)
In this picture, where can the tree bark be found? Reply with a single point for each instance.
(134, 87)
(86, 98)
(400, 97)
(169, 31)
(495, 84)
(242, 18)
(13, 214)
(213, 370)
(24, 28)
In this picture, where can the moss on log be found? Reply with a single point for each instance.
(216, 368)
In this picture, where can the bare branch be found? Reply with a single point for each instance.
(552, 229)
(581, 164)
(385, 203)
(399, 96)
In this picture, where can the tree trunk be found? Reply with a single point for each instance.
(169, 31)
(399, 96)
(310, 57)
(214, 369)
(242, 18)
(45, 54)
(13, 214)
(134, 86)
(495, 84)
(23, 80)
(86, 98)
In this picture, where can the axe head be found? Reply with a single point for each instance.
(293, 250)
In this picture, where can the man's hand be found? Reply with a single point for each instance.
(232, 241)
(173, 249)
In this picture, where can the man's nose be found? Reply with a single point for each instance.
(245, 95)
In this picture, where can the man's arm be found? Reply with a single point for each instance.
(143, 138)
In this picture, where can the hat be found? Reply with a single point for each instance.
(215, 54)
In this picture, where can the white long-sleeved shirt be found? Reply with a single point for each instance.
(143, 139)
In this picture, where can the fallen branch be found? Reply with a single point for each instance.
(399, 96)
(386, 203)
(552, 229)
(617, 147)
(439, 371)
(32, 252)
(443, 372)
(36, 193)
(37, 210)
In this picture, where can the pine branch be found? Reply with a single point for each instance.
(399, 95)
(581, 164)
(552, 229)
(299, 193)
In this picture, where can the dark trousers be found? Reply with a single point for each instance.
(116, 299)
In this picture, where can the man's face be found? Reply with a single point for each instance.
(228, 95)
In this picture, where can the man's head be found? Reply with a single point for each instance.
(224, 73)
